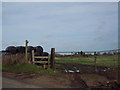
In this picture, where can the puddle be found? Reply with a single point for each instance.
(77, 70)
(71, 71)
(104, 70)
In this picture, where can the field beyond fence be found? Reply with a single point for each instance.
(87, 61)
(106, 60)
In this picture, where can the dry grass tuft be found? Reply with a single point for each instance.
(15, 59)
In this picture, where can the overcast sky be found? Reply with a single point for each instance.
(64, 26)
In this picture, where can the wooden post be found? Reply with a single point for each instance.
(95, 61)
(33, 59)
(26, 57)
(52, 58)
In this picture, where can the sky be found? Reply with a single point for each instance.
(87, 26)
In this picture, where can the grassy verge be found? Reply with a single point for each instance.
(109, 61)
(20, 67)
(29, 68)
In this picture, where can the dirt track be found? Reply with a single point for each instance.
(70, 80)
(86, 77)
(14, 83)
(18, 80)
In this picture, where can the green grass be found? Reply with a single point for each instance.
(20, 67)
(109, 61)
(29, 68)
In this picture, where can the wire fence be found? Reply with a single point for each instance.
(110, 52)
(107, 58)
(91, 60)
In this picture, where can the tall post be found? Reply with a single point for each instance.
(95, 62)
(26, 57)
(52, 58)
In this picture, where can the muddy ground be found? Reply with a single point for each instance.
(92, 76)
(73, 76)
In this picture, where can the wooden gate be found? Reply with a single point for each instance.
(41, 62)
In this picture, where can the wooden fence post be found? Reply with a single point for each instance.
(52, 58)
(26, 57)
(33, 56)
(95, 62)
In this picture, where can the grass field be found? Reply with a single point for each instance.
(29, 68)
(109, 61)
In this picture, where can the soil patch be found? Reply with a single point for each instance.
(104, 78)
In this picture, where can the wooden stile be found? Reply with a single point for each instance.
(41, 62)
(51, 59)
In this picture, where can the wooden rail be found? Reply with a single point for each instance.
(40, 56)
